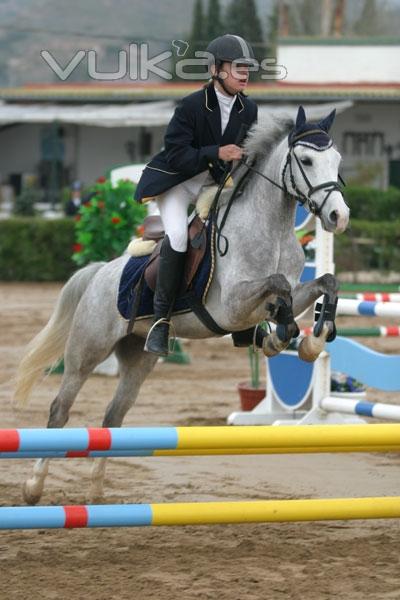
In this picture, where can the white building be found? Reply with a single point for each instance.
(59, 133)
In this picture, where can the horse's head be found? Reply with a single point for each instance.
(311, 171)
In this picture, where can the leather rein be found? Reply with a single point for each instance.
(302, 198)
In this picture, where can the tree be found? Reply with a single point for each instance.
(197, 33)
(369, 22)
(197, 37)
(242, 19)
(213, 24)
(272, 29)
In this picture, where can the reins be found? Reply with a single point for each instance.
(302, 198)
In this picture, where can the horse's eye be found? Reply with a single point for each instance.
(306, 161)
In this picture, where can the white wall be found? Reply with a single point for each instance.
(89, 151)
(317, 63)
(94, 150)
(363, 133)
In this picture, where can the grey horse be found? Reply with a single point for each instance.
(263, 266)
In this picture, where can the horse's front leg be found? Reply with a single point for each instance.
(306, 294)
(248, 296)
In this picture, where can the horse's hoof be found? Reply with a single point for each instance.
(272, 345)
(310, 348)
(30, 493)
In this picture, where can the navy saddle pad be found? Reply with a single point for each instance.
(133, 271)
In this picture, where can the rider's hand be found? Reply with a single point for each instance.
(230, 152)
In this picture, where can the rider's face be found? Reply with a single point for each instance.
(235, 76)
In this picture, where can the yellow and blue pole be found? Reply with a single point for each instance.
(154, 440)
(201, 513)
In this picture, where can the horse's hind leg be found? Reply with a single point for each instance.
(134, 366)
(77, 368)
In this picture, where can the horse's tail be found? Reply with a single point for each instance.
(47, 346)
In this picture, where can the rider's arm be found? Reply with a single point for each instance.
(179, 137)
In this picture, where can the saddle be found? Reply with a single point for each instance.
(154, 231)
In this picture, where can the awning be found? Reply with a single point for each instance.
(149, 114)
(146, 114)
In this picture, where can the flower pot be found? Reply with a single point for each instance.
(250, 396)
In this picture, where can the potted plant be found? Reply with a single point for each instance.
(252, 392)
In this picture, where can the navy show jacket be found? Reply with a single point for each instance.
(192, 141)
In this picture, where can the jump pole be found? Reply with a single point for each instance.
(369, 287)
(369, 309)
(199, 452)
(373, 296)
(364, 409)
(389, 331)
(198, 513)
(197, 438)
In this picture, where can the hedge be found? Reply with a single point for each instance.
(36, 249)
(373, 205)
(369, 245)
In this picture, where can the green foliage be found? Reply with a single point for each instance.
(369, 245)
(197, 33)
(24, 205)
(106, 223)
(242, 19)
(214, 24)
(373, 205)
(36, 249)
(254, 360)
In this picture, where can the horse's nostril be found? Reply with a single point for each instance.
(333, 216)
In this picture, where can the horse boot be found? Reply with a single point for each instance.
(248, 337)
(169, 278)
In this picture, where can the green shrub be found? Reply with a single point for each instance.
(369, 245)
(24, 205)
(36, 249)
(373, 205)
(106, 223)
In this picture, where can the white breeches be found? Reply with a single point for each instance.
(173, 206)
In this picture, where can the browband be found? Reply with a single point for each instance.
(307, 133)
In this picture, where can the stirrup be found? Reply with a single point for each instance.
(158, 322)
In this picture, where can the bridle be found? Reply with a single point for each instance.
(302, 198)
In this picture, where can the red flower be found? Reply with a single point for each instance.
(77, 247)
(101, 204)
(101, 179)
(140, 230)
(115, 220)
(78, 217)
(87, 203)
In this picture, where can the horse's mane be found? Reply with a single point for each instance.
(263, 136)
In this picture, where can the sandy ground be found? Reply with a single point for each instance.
(311, 561)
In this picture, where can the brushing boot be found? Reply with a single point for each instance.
(246, 337)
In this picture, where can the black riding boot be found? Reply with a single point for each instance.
(169, 278)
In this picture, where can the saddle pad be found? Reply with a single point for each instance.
(134, 269)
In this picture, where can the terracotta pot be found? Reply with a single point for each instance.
(250, 396)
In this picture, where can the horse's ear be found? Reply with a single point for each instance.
(301, 117)
(326, 123)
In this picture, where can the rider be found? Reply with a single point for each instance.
(198, 150)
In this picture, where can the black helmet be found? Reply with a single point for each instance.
(229, 48)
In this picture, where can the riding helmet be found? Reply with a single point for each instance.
(229, 48)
